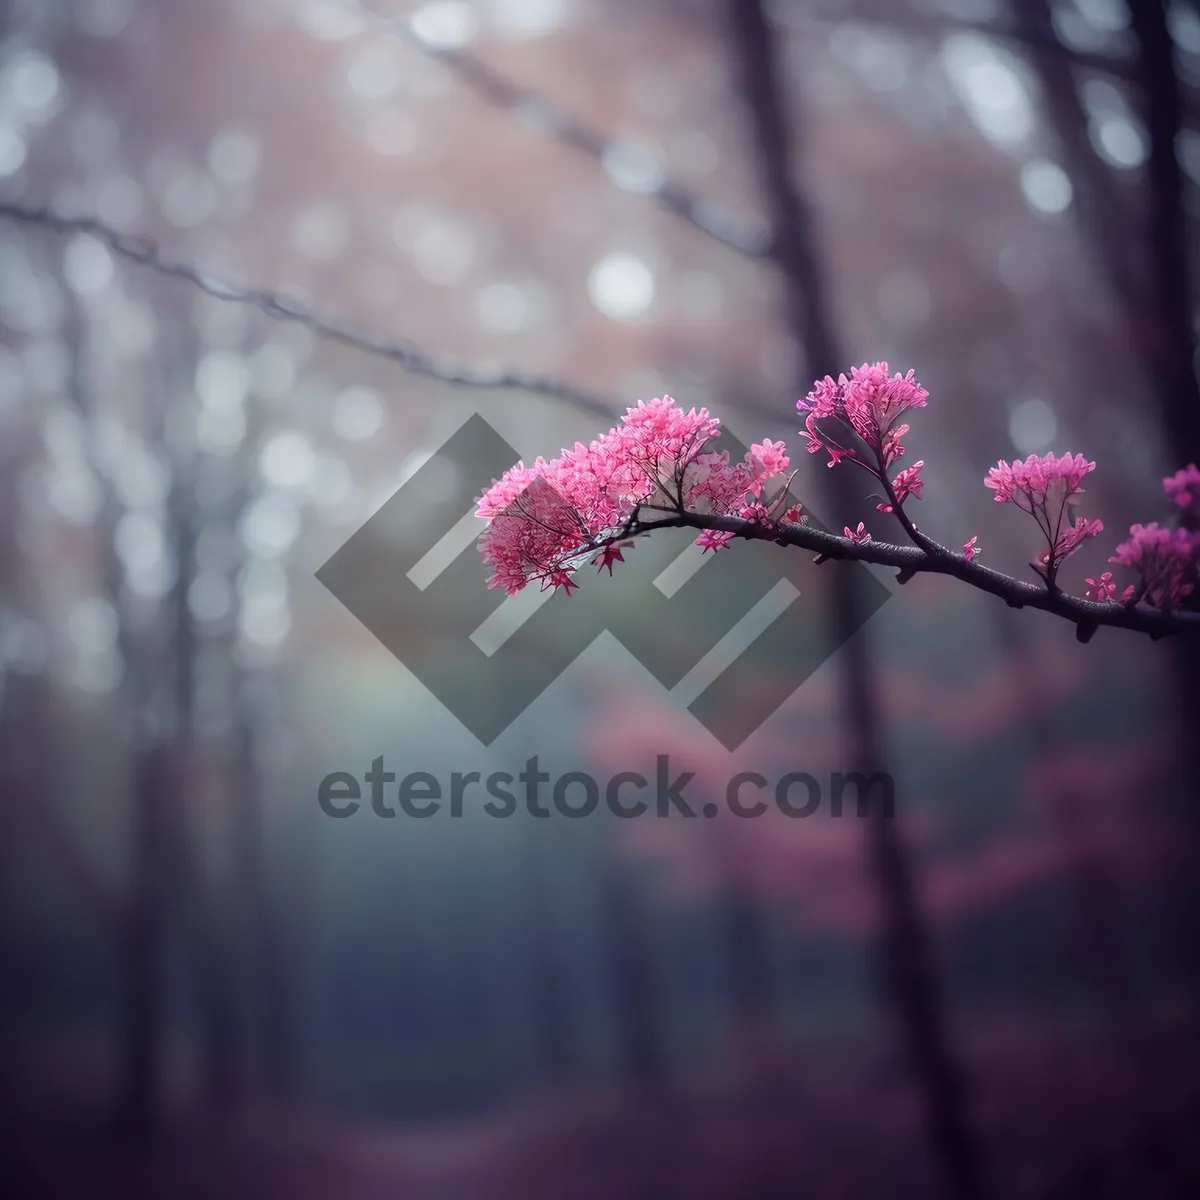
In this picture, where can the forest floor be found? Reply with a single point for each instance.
(1074, 1121)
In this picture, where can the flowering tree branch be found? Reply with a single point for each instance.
(1087, 615)
(653, 472)
(417, 361)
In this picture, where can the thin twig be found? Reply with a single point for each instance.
(145, 252)
(1086, 615)
(548, 117)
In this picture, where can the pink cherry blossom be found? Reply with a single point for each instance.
(1102, 588)
(771, 457)
(545, 518)
(527, 538)
(859, 536)
(1069, 540)
(609, 555)
(870, 402)
(1166, 560)
(1035, 482)
(713, 484)
(907, 483)
(713, 539)
(971, 549)
(1184, 488)
(559, 579)
(1044, 487)
(892, 449)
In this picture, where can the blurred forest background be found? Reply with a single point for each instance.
(543, 211)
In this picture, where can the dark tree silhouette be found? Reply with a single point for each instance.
(906, 952)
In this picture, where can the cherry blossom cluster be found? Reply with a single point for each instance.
(1045, 487)
(857, 419)
(546, 519)
(1165, 561)
(1184, 489)
(656, 470)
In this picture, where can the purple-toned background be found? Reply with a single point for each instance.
(208, 987)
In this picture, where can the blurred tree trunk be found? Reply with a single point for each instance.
(906, 951)
(13, 784)
(640, 1041)
(270, 1009)
(142, 1038)
(742, 929)
(1153, 287)
(1098, 945)
(749, 958)
(1172, 264)
(255, 960)
(1151, 276)
(1173, 356)
(204, 892)
(1104, 212)
(220, 1080)
(551, 1005)
(151, 815)
(24, 717)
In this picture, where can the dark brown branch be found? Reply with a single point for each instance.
(911, 560)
